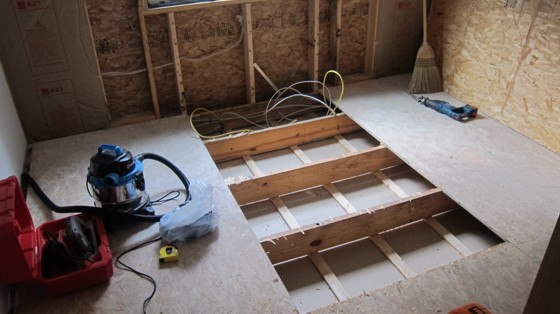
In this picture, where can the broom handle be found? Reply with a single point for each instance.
(425, 19)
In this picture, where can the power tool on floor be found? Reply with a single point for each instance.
(458, 113)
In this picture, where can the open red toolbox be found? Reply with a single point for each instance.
(22, 246)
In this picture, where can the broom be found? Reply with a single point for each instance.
(425, 77)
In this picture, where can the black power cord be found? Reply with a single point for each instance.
(126, 267)
(26, 178)
(149, 278)
(173, 168)
(169, 196)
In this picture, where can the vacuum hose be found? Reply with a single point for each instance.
(26, 178)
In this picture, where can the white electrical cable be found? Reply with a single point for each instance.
(242, 118)
(280, 92)
(273, 104)
(294, 113)
(309, 97)
(196, 59)
(223, 117)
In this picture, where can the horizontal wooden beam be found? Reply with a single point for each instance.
(191, 6)
(280, 137)
(313, 238)
(393, 256)
(314, 174)
(323, 267)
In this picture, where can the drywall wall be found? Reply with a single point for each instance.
(504, 60)
(12, 146)
(12, 139)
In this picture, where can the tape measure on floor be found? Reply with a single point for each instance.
(168, 254)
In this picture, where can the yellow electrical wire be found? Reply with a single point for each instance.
(213, 136)
(341, 90)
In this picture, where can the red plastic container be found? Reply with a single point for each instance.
(22, 246)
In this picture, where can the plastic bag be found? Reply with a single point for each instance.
(193, 220)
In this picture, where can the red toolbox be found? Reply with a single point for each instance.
(23, 246)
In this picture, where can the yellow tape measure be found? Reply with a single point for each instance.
(168, 254)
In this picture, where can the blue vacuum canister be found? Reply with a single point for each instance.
(116, 180)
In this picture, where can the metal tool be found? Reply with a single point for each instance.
(458, 113)
(116, 182)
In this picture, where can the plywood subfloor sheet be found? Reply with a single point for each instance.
(507, 181)
(214, 273)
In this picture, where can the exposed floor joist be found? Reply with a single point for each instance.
(432, 222)
(314, 174)
(280, 137)
(313, 238)
(316, 258)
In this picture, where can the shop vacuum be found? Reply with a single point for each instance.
(116, 182)
(71, 253)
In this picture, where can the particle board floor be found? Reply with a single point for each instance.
(214, 273)
(507, 181)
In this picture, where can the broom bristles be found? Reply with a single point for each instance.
(425, 77)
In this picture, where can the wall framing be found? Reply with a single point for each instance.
(148, 70)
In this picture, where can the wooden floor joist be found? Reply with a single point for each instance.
(314, 174)
(313, 238)
(448, 236)
(330, 278)
(331, 188)
(393, 256)
(378, 174)
(276, 201)
(432, 222)
(280, 137)
(316, 258)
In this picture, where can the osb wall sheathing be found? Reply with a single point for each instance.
(118, 44)
(325, 61)
(504, 60)
(353, 36)
(220, 80)
(280, 40)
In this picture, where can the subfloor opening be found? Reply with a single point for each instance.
(338, 213)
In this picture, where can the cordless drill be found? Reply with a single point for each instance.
(458, 113)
